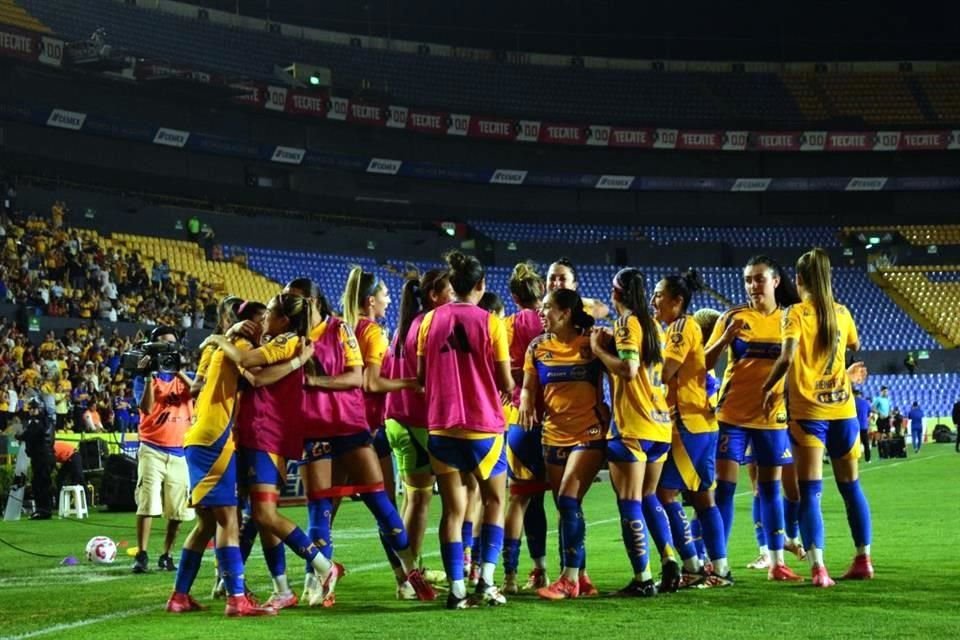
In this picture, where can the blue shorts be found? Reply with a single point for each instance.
(525, 454)
(483, 453)
(766, 447)
(557, 455)
(840, 437)
(333, 447)
(634, 450)
(380, 443)
(213, 473)
(692, 463)
(259, 467)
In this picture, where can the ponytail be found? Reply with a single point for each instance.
(629, 287)
(526, 285)
(297, 310)
(308, 289)
(415, 298)
(684, 286)
(360, 286)
(813, 269)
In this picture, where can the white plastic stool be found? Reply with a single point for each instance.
(73, 501)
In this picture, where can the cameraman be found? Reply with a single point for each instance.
(166, 411)
(37, 437)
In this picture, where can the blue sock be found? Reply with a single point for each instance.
(476, 550)
(392, 557)
(811, 518)
(771, 514)
(248, 533)
(713, 535)
(187, 570)
(659, 526)
(301, 544)
(791, 517)
(276, 559)
(491, 537)
(231, 569)
(697, 534)
(535, 527)
(466, 538)
(511, 555)
(858, 512)
(391, 524)
(758, 522)
(318, 518)
(573, 532)
(452, 554)
(724, 497)
(680, 529)
(634, 531)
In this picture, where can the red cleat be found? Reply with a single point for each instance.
(560, 590)
(341, 570)
(587, 590)
(243, 607)
(422, 588)
(821, 578)
(782, 573)
(861, 569)
(183, 603)
(536, 580)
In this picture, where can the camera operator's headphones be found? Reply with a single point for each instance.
(163, 331)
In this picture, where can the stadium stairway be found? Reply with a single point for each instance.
(14, 15)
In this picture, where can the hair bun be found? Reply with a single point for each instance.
(456, 260)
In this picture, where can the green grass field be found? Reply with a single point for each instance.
(916, 511)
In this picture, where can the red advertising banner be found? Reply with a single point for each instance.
(491, 128)
(18, 44)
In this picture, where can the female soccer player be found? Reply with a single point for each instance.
(564, 377)
(524, 449)
(337, 432)
(691, 463)
(269, 431)
(213, 482)
(816, 334)
(563, 275)
(406, 410)
(638, 442)
(464, 363)
(226, 318)
(751, 335)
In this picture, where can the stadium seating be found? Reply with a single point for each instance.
(589, 234)
(881, 323)
(936, 392)
(921, 235)
(934, 291)
(13, 14)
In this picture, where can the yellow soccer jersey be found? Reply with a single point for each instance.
(570, 386)
(817, 384)
(215, 405)
(687, 390)
(204, 363)
(750, 358)
(373, 343)
(352, 356)
(639, 406)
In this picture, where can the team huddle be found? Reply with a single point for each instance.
(463, 399)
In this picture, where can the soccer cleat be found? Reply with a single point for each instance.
(219, 589)
(587, 590)
(796, 549)
(761, 563)
(279, 601)
(560, 590)
(782, 573)
(420, 586)
(861, 569)
(165, 563)
(325, 596)
(341, 571)
(537, 579)
(638, 589)
(694, 580)
(453, 602)
(242, 607)
(714, 581)
(310, 584)
(669, 577)
(141, 562)
(510, 585)
(183, 603)
(821, 578)
(488, 595)
(434, 577)
(405, 591)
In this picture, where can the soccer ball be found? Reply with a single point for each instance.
(101, 550)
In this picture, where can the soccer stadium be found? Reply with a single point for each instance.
(349, 316)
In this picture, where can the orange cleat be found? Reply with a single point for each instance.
(782, 573)
(183, 603)
(861, 569)
(562, 589)
(243, 607)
